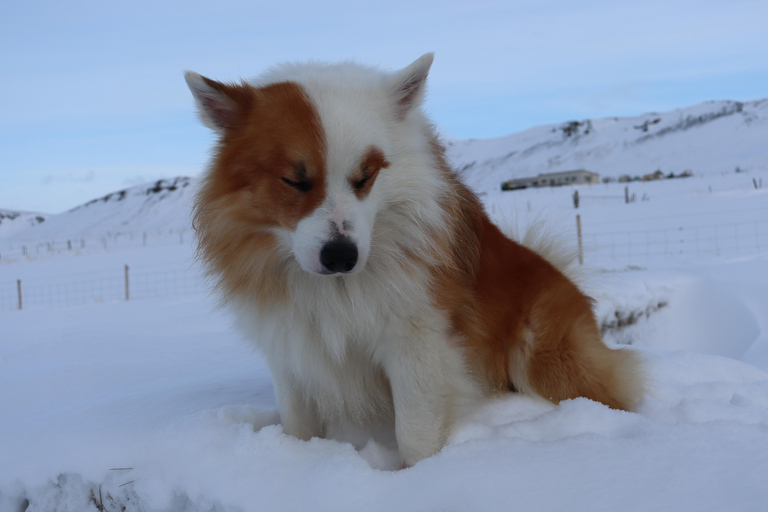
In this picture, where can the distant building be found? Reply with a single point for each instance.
(658, 175)
(553, 179)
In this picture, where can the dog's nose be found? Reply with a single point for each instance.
(339, 255)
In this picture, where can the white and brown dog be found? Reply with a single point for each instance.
(366, 272)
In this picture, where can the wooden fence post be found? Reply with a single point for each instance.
(127, 285)
(18, 286)
(578, 234)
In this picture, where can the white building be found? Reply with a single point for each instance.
(553, 179)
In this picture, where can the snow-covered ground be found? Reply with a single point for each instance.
(155, 403)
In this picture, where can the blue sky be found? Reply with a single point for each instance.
(93, 98)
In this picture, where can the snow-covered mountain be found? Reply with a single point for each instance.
(161, 205)
(12, 222)
(710, 138)
(713, 137)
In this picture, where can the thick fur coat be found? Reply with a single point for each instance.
(368, 274)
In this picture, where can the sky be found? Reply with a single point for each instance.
(93, 99)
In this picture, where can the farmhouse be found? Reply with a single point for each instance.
(553, 179)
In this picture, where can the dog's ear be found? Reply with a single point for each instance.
(221, 106)
(408, 85)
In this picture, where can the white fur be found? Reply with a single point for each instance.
(205, 97)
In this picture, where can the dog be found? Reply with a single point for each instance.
(368, 274)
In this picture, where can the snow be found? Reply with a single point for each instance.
(166, 388)
(14, 222)
(156, 403)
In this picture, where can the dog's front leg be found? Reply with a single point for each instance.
(426, 374)
(298, 412)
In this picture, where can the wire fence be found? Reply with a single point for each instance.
(121, 285)
(682, 242)
(624, 246)
(21, 249)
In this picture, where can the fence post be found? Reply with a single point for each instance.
(682, 239)
(18, 286)
(717, 243)
(578, 234)
(626, 195)
(127, 285)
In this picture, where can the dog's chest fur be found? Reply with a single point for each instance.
(333, 338)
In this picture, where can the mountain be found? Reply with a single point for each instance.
(713, 137)
(161, 205)
(12, 222)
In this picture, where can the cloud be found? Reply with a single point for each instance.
(69, 177)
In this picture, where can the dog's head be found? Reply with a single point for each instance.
(301, 153)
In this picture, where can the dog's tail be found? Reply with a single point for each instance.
(562, 356)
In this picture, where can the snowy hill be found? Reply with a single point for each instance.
(161, 205)
(13, 222)
(710, 138)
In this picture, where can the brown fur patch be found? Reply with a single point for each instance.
(268, 171)
(505, 301)
(362, 181)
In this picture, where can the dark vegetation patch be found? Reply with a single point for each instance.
(689, 122)
(621, 319)
(574, 128)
